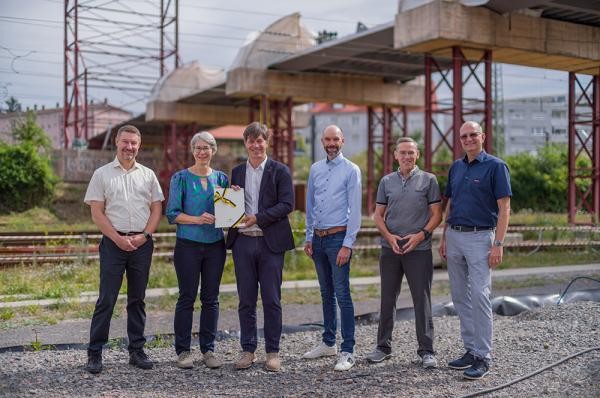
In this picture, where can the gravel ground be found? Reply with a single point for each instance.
(523, 344)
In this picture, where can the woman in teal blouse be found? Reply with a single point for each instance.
(199, 255)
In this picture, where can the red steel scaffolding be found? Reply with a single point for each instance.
(384, 126)
(476, 107)
(112, 47)
(584, 147)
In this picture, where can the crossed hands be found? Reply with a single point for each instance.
(404, 244)
(130, 243)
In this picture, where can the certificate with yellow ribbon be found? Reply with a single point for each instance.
(229, 207)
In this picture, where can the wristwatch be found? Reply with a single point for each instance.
(498, 243)
(147, 235)
(426, 233)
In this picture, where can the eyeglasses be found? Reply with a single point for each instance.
(469, 135)
(406, 153)
(202, 149)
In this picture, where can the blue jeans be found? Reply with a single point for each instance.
(334, 281)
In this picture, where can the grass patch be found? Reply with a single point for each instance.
(159, 341)
(529, 217)
(70, 280)
(549, 257)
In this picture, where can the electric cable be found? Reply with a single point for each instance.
(510, 383)
(571, 283)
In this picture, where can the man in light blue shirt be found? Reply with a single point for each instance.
(333, 206)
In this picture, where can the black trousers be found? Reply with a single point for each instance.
(418, 268)
(197, 264)
(115, 262)
(256, 265)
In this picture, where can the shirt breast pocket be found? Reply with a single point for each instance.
(478, 182)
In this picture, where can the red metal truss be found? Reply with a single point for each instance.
(384, 125)
(176, 152)
(584, 147)
(277, 115)
(282, 141)
(111, 48)
(477, 75)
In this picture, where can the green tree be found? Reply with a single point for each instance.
(301, 168)
(539, 182)
(27, 131)
(12, 105)
(27, 179)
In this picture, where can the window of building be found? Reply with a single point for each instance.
(559, 131)
(559, 114)
(538, 131)
(515, 114)
(538, 116)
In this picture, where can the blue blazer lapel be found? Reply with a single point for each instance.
(241, 177)
(265, 177)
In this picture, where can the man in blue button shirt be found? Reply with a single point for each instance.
(478, 194)
(333, 206)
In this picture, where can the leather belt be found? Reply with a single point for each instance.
(129, 233)
(329, 231)
(466, 228)
(253, 234)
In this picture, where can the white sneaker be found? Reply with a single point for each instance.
(429, 361)
(322, 350)
(345, 361)
(185, 360)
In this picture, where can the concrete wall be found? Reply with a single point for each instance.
(73, 165)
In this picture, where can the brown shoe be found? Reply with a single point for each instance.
(273, 363)
(211, 360)
(246, 360)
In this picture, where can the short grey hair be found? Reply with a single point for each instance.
(407, 139)
(206, 137)
(128, 128)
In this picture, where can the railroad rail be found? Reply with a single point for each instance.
(164, 251)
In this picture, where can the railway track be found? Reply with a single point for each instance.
(52, 248)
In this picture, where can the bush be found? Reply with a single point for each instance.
(27, 179)
(539, 182)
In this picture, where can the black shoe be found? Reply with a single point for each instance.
(94, 363)
(140, 360)
(463, 362)
(479, 369)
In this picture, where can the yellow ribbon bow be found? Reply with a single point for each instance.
(222, 198)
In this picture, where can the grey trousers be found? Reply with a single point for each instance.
(470, 285)
(418, 268)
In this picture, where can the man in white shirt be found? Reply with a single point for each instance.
(125, 200)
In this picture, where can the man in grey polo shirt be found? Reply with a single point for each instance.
(408, 209)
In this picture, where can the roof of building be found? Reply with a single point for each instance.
(370, 52)
(228, 132)
(49, 111)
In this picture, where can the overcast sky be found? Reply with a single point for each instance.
(211, 32)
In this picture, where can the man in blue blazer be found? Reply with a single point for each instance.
(259, 246)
